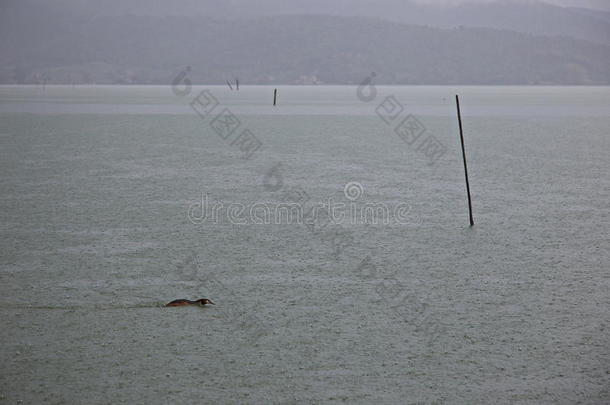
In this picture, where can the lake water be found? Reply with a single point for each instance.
(101, 224)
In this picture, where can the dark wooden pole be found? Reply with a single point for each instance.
(274, 96)
(457, 103)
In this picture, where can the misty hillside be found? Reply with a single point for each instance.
(528, 16)
(288, 49)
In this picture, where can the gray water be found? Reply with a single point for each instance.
(95, 237)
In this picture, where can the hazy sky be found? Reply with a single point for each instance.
(600, 4)
(103, 41)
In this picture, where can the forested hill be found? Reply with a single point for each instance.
(287, 49)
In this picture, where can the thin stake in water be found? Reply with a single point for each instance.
(457, 103)
(274, 96)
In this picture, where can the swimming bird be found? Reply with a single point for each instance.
(182, 302)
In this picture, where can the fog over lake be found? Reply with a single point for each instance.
(143, 161)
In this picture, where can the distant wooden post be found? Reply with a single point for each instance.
(274, 96)
(457, 103)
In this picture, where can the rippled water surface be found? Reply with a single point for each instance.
(95, 189)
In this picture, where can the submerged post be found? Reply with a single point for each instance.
(274, 96)
(457, 103)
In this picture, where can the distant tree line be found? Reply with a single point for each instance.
(288, 49)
